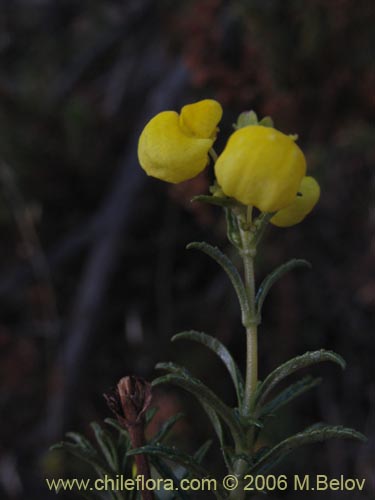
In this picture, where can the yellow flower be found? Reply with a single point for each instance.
(261, 166)
(306, 199)
(175, 147)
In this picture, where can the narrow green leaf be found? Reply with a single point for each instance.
(107, 446)
(173, 368)
(81, 441)
(316, 426)
(181, 458)
(207, 397)
(288, 394)
(269, 281)
(91, 458)
(215, 420)
(293, 365)
(150, 414)
(174, 454)
(179, 370)
(167, 473)
(220, 350)
(115, 424)
(261, 224)
(123, 442)
(229, 268)
(166, 428)
(249, 421)
(200, 454)
(281, 450)
(216, 424)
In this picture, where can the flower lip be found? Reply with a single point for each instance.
(306, 199)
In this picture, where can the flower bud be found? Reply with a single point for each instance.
(173, 147)
(130, 400)
(262, 167)
(306, 199)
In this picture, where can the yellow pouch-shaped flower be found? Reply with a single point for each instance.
(261, 166)
(175, 147)
(306, 199)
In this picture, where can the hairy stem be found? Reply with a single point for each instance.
(248, 253)
(251, 367)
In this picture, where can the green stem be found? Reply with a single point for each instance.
(248, 253)
(251, 367)
(213, 154)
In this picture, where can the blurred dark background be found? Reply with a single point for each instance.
(95, 277)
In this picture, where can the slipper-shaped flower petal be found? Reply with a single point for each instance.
(175, 147)
(261, 166)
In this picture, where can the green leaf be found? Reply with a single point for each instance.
(181, 458)
(215, 200)
(81, 441)
(207, 398)
(261, 224)
(123, 442)
(267, 122)
(233, 229)
(88, 456)
(150, 414)
(215, 420)
(271, 279)
(107, 446)
(84, 451)
(312, 435)
(115, 424)
(230, 269)
(216, 424)
(174, 454)
(288, 394)
(221, 351)
(294, 364)
(249, 421)
(173, 368)
(245, 119)
(176, 369)
(167, 473)
(166, 428)
(200, 454)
